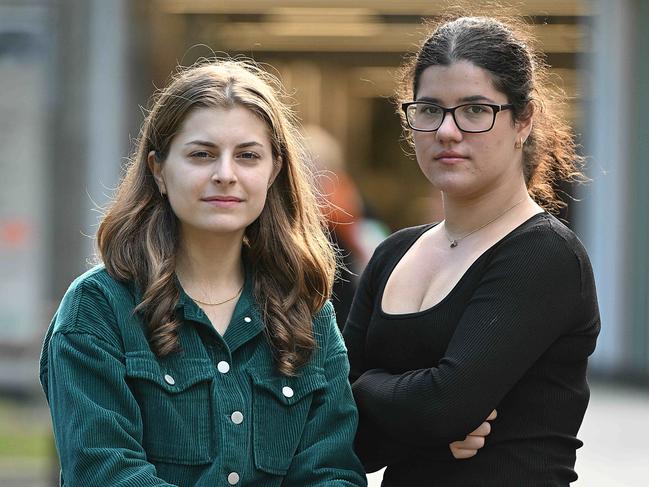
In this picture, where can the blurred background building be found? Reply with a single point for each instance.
(75, 76)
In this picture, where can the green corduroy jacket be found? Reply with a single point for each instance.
(216, 414)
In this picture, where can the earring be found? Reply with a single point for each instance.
(519, 144)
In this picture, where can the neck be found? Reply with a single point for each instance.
(464, 215)
(211, 262)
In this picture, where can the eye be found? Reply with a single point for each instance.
(476, 109)
(200, 155)
(249, 155)
(430, 110)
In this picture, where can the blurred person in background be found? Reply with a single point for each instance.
(495, 306)
(204, 351)
(352, 232)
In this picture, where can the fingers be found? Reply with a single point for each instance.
(483, 430)
(461, 454)
(467, 447)
(470, 445)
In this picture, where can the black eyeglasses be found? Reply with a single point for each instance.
(469, 117)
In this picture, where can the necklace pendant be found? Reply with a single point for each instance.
(453, 244)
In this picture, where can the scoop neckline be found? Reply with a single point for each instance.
(448, 296)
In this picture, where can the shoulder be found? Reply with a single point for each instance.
(97, 278)
(399, 240)
(545, 234)
(324, 322)
(405, 236)
(545, 246)
(91, 302)
(326, 331)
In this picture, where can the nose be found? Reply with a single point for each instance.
(224, 171)
(449, 130)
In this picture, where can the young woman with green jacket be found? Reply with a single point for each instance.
(203, 350)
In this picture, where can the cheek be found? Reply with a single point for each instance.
(427, 168)
(424, 148)
(178, 188)
(183, 187)
(262, 180)
(488, 149)
(256, 206)
(258, 188)
(422, 141)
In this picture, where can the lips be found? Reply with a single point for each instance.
(450, 157)
(223, 202)
(224, 199)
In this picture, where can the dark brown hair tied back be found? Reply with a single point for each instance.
(505, 50)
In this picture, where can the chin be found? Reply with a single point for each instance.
(221, 228)
(449, 184)
(224, 229)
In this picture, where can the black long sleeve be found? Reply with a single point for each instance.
(524, 317)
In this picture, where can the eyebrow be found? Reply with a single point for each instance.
(466, 99)
(207, 143)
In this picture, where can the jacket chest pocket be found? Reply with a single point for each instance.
(280, 412)
(176, 407)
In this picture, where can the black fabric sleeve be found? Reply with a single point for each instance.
(529, 296)
(358, 319)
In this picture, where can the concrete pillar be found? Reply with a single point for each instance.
(603, 219)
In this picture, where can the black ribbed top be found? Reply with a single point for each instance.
(514, 335)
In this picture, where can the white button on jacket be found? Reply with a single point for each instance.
(237, 417)
(223, 367)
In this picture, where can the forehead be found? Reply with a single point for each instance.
(456, 82)
(218, 124)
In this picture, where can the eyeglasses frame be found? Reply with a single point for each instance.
(496, 108)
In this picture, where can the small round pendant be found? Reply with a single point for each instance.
(454, 244)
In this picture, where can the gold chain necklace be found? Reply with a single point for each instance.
(220, 302)
(455, 241)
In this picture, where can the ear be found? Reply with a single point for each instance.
(277, 167)
(156, 169)
(524, 127)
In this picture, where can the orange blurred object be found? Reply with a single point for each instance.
(14, 233)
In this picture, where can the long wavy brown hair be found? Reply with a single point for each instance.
(287, 249)
(505, 49)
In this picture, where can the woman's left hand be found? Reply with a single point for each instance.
(475, 440)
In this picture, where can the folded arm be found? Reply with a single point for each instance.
(524, 302)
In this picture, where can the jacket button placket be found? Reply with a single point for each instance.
(231, 415)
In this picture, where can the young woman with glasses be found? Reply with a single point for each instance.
(492, 308)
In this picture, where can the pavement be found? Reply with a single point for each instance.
(615, 433)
